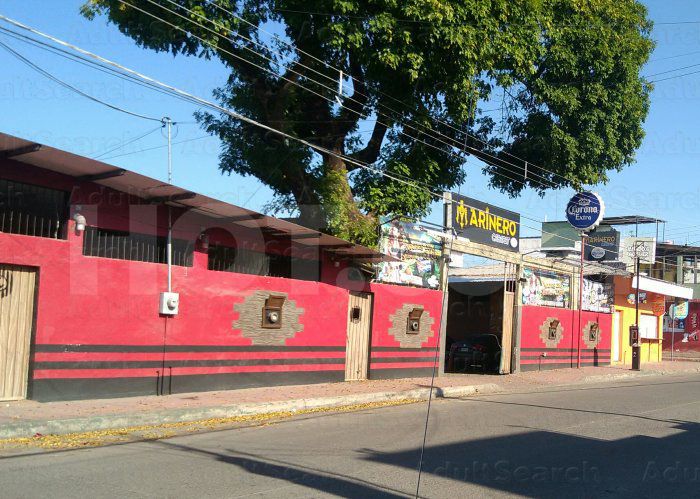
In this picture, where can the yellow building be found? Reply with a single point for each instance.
(653, 294)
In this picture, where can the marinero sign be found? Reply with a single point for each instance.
(483, 223)
(585, 211)
(603, 244)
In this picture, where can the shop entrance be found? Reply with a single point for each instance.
(480, 318)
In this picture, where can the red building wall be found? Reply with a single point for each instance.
(536, 354)
(388, 358)
(98, 332)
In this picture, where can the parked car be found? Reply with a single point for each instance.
(478, 353)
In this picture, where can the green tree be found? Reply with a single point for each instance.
(565, 73)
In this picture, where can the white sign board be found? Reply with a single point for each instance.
(632, 248)
(649, 327)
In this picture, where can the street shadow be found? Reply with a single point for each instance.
(539, 463)
(304, 476)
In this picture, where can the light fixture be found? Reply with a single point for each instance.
(79, 222)
(204, 241)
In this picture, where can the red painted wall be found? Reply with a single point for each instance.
(387, 300)
(565, 354)
(97, 318)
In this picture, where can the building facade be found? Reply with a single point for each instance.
(262, 301)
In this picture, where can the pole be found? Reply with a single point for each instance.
(636, 301)
(636, 348)
(673, 328)
(580, 302)
(169, 248)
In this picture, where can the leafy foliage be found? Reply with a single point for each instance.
(566, 72)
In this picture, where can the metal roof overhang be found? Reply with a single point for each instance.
(662, 287)
(148, 188)
(627, 220)
(666, 249)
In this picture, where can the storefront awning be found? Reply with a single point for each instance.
(662, 287)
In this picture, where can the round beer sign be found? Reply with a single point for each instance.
(585, 210)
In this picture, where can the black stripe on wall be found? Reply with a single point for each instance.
(586, 357)
(156, 364)
(563, 365)
(49, 348)
(141, 364)
(47, 390)
(394, 373)
(384, 360)
(399, 349)
(563, 350)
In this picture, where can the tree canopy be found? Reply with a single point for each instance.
(420, 79)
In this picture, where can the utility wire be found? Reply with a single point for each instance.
(124, 144)
(71, 87)
(384, 94)
(197, 100)
(453, 144)
(296, 83)
(543, 181)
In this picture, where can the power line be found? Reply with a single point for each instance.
(80, 60)
(675, 76)
(70, 87)
(159, 147)
(455, 22)
(124, 144)
(305, 88)
(176, 92)
(454, 144)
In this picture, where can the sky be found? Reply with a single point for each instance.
(663, 183)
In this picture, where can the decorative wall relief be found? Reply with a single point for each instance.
(401, 328)
(251, 320)
(551, 332)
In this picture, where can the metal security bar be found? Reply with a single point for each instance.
(122, 245)
(242, 261)
(31, 210)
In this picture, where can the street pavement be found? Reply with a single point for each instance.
(639, 438)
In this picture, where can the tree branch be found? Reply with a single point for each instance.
(370, 153)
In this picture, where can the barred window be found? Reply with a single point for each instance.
(243, 261)
(32, 210)
(122, 245)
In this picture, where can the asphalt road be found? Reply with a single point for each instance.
(635, 439)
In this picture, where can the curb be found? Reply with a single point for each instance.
(94, 423)
(640, 374)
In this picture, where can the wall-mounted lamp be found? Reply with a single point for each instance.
(79, 222)
(413, 324)
(204, 241)
(272, 312)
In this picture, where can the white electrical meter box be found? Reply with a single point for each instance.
(169, 303)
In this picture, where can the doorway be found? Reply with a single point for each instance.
(616, 340)
(359, 332)
(480, 317)
(17, 297)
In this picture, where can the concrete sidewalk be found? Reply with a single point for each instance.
(27, 418)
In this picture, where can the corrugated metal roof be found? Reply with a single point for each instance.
(123, 180)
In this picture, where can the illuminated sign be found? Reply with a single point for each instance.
(484, 223)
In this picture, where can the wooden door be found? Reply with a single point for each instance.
(508, 315)
(358, 342)
(17, 289)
